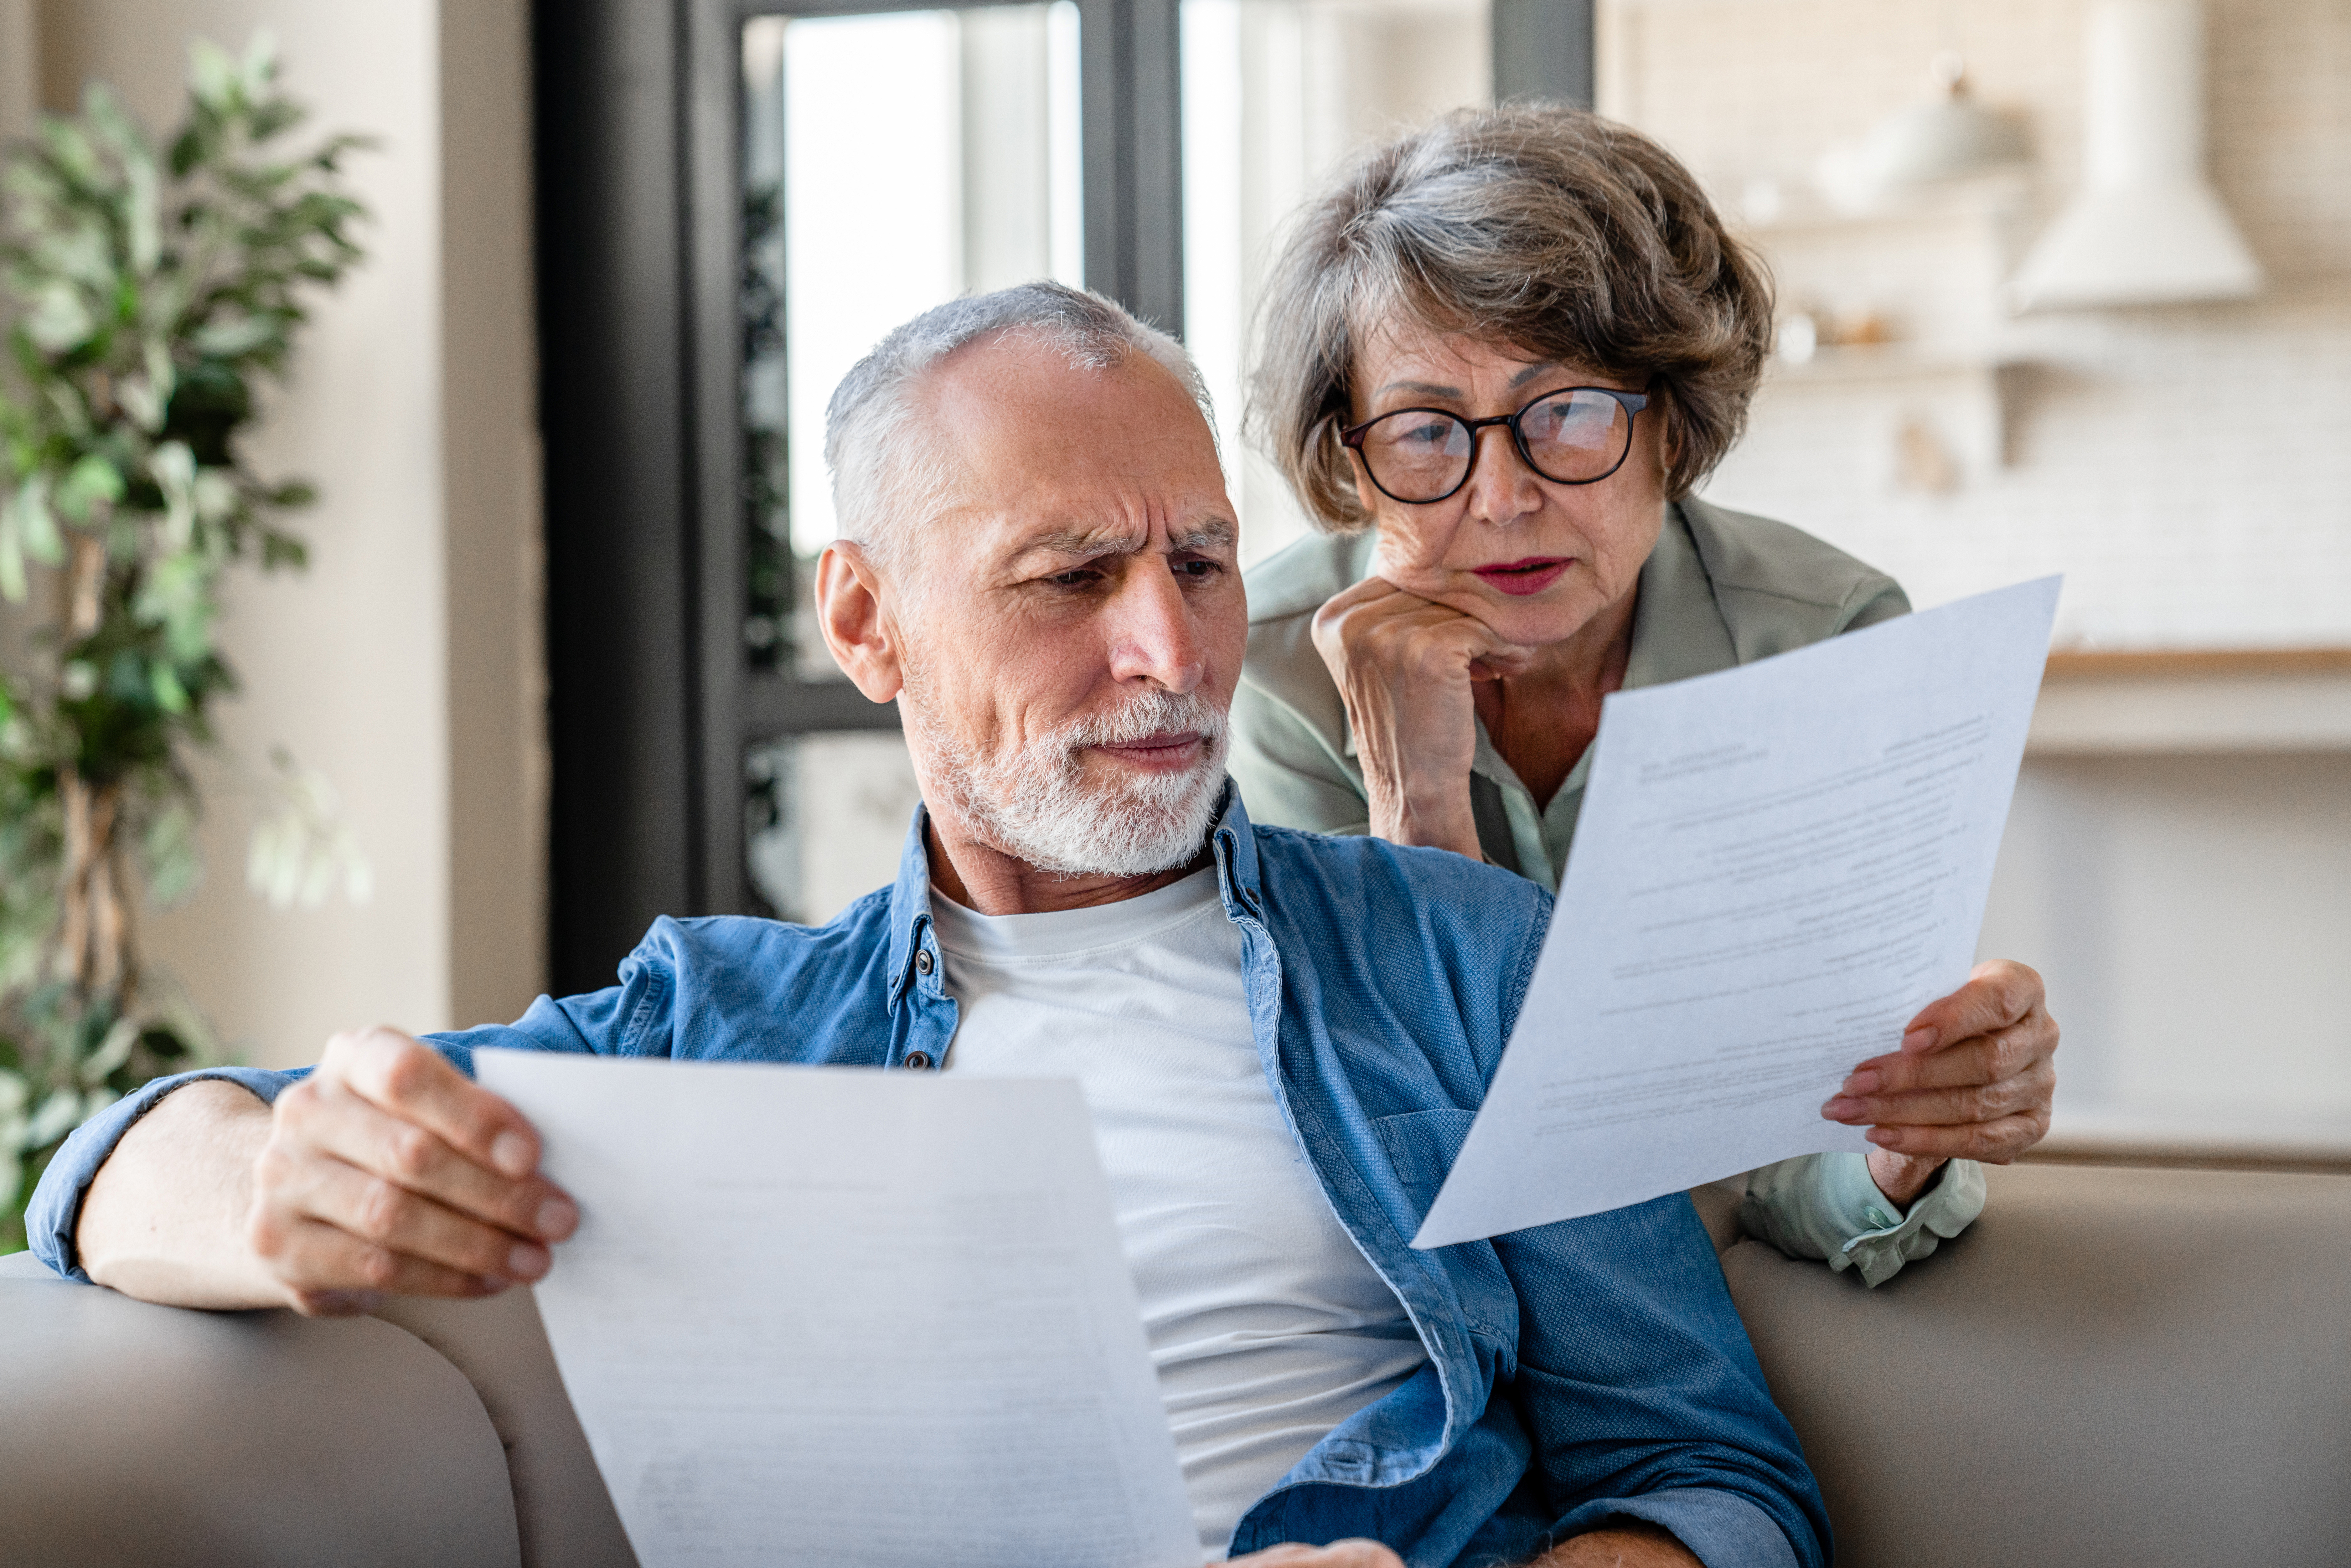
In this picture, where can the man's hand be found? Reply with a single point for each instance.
(1338, 1554)
(1626, 1543)
(1972, 1081)
(387, 1171)
(1404, 666)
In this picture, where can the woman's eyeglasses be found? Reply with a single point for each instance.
(1577, 435)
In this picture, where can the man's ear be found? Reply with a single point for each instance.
(849, 607)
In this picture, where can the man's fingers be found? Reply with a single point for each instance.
(1352, 1553)
(1993, 1143)
(392, 1216)
(414, 1083)
(1997, 995)
(330, 1273)
(327, 1117)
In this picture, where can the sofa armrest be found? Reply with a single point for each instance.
(2141, 1366)
(170, 1438)
(565, 1515)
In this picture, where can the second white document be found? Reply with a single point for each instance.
(1774, 868)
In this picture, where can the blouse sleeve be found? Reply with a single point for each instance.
(1290, 775)
(1828, 1207)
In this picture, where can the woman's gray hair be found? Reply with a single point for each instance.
(1562, 235)
(885, 471)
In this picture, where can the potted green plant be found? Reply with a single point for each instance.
(145, 291)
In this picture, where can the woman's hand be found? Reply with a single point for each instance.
(1404, 666)
(1972, 1081)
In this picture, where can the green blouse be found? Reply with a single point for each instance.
(1721, 589)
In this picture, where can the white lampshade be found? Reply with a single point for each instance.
(1947, 138)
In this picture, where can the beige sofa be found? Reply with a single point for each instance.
(2118, 1367)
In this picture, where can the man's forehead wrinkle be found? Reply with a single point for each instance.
(1137, 537)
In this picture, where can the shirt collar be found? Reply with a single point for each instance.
(1231, 837)
(1678, 625)
(910, 903)
(1235, 844)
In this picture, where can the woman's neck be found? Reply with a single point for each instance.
(1544, 718)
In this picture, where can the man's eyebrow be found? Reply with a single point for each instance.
(1217, 532)
(1087, 542)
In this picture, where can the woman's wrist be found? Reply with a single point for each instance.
(1902, 1177)
(1444, 823)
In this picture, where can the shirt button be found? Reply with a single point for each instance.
(923, 960)
(918, 1060)
(1878, 1216)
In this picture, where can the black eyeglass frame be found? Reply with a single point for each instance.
(1632, 403)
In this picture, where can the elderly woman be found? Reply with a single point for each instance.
(1498, 355)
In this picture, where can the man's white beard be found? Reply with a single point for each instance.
(1038, 806)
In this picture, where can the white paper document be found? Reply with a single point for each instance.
(836, 1317)
(1775, 867)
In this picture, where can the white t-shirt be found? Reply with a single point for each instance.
(1268, 1325)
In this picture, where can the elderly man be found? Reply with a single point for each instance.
(1282, 1037)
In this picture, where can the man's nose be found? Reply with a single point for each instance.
(1152, 637)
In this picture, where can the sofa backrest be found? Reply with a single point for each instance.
(2138, 1366)
(2113, 1367)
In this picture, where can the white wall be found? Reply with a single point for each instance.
(2193, 914)
(402, 663)
(2185, 466)
(20, 72)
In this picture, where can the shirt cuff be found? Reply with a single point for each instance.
(1828, 1206)
(56, 1207)
(1721, 1529)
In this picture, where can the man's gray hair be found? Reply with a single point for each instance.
(885, 471)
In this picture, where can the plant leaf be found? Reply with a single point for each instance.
(92, 480)
(212, 75)
(164, 681)
(12, 555)
(57, 322)
(40, 526)
(57, 1115)
(111, 1052)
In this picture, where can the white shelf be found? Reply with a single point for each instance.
(1850, 362)
(2223, 701)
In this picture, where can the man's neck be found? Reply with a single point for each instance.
(983, 878)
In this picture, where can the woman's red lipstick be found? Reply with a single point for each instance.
(1520, 578)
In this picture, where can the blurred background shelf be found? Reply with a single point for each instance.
(2194, 700)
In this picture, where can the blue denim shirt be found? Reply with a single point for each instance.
(1576, 1371)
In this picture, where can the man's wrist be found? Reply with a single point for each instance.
(163, 1218)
